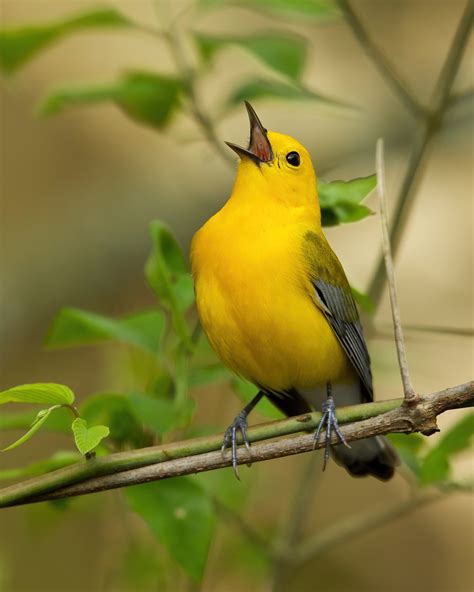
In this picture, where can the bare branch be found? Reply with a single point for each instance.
(357, 525)
(380, 60)
(409, 391)
(427, 128)
(203, 454)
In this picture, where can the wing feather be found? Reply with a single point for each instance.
(334, 297)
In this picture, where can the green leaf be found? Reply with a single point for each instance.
(165, 266)
(181, 516)
(343, 213)
(146, 97)
(247, 391)
(168, 276)
(57, 461)
(17, 46)
(284, 53)
(41, 392)
(259, 88)
(148, 327)
(340, 200)
(73, 326)
(436, 464)
(39, 420)
(409, 447)
(353, 191)
(149, 98)
(159, 415)
(87, 438)
(315, 10)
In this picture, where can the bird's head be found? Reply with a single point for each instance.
(274, 166)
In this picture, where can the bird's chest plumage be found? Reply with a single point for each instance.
(256, 306)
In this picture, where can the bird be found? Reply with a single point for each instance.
(275, 303)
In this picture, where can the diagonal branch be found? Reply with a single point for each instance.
(380, 60)
(358, 524)
(427, 129)
(202, 454)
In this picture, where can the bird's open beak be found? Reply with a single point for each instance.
(259, 149)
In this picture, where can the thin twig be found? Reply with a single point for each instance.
(409, 391)
(188, 76)
(203, 454)
(424, 135)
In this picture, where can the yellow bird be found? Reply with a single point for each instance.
(275, 303)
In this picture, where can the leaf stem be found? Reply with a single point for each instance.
(74, 410)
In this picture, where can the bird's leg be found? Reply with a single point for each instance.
(329, 421)
(239, 424)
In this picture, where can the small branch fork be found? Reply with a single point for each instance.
(203, 454)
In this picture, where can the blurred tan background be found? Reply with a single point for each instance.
(78, 192)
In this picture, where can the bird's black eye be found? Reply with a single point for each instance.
(293, 158)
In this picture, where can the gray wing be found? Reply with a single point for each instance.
(340, 310)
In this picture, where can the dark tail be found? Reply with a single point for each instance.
(370, 456)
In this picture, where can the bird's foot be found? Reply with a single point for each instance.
(230, 439)
(329, 421)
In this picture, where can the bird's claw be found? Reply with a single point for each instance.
(329, 421)
(230, 439)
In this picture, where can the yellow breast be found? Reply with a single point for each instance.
(255, 300)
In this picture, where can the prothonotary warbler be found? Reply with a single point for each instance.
(275, 303)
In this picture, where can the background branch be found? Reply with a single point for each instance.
(361, 523)
(427, 129)
(302, 500)
(171, 36)
(381, 61)
(201, 454)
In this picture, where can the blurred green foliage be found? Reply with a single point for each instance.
(17, 46)
(181, 513)
(431, 465)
